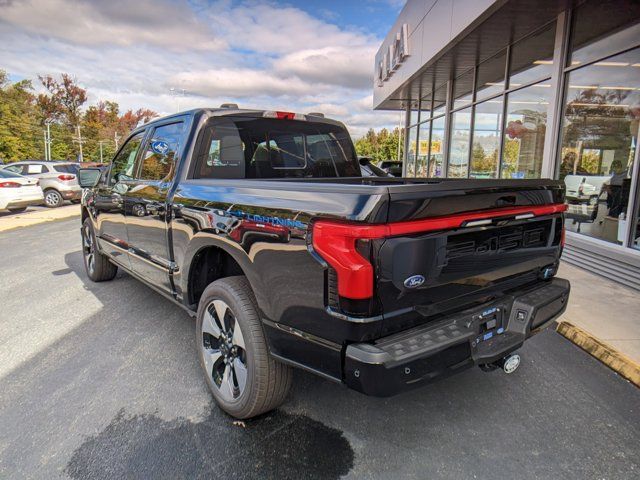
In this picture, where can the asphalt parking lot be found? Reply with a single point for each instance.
(102, 381)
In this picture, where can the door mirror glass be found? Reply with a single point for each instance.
(89, 177)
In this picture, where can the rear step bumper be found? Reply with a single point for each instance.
(482, 335)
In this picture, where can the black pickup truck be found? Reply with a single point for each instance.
(260, 224)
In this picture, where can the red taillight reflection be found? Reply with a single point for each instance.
(66, 178)
(9, 185)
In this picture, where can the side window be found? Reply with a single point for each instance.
(20, 169)
(124, 162)
(160, 156)
(223, 153)
(35, 169)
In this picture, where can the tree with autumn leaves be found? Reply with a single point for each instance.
(24, 115)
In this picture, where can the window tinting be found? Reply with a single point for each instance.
(532, 57)
(159, 157)
(124, 163)
(275, 148)
(67, 168)
(490, 79)
(7, 173)
(602, 27)
(463, 89)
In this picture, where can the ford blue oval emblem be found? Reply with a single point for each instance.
(414, 281)
(160, 147)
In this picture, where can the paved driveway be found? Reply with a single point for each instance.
(102, 381)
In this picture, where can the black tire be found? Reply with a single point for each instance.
(76, 202)
(52, 198)
(18, 210)
(97, 265)
(267, 381)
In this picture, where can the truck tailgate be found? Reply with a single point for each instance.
(481, 238)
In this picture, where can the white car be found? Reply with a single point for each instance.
(18, 192)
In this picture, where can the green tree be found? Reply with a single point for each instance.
(379, 146)
(20, 135)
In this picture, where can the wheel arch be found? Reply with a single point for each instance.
(209, 259)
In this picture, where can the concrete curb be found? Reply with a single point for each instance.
(616, 361)
(8, 224)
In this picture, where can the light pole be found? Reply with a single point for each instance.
(174, 94)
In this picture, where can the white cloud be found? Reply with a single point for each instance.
(256, 54)
(112, 22)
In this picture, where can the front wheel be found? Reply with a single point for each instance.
(244, 380)
(97, 265)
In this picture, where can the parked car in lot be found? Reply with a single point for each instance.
(261, 225)
(58, 180)
(18, 192)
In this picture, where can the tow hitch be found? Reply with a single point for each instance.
(508, 364)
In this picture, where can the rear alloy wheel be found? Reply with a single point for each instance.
(224, 350)
(97, 265)
(52, 198)
(243, 378)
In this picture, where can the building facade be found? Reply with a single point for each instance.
(527, 89)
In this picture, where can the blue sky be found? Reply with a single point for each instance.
(304, 56)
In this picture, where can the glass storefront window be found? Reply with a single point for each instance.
(411, 152)
(414, 113)
(487, 127)
(436, 153)
(524, 132)
(425, 108)
(490, 79)
(422, 150)
(459, 145)
(603, 27)
(532, 57)
(599, 138)
(440, 100)
(463, 89)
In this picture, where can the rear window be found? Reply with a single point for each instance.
(67, 168)
(8, 174)
(234, 147)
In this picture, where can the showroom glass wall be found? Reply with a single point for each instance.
(598, 154)
(497, 115)
(497, 122)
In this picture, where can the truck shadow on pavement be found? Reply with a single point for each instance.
(275, 445)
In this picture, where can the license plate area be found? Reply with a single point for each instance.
(490, 323)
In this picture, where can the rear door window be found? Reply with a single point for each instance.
(35, 169)
(236, 147)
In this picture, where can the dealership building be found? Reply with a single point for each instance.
(527, 89)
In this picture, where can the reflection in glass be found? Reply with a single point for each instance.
(602, 27)
(411, 152)
(423, 150)
(440, 100)
(425, 108)
(414, 114)
(436, 150)
(463, 89)
(524, 132)
(490, 79)
(460, 141)
(532, 57)
(485, 152)
(599, 139)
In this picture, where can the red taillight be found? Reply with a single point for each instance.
(66, 178)
(336, 242)
(10, 185)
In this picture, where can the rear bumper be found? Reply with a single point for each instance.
(71, 194)
(481, 335)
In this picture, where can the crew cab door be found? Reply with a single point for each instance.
(109, 202)
(146, 209)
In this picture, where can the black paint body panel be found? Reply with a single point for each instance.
(265, 226)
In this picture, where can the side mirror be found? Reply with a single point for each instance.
(89, 177)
